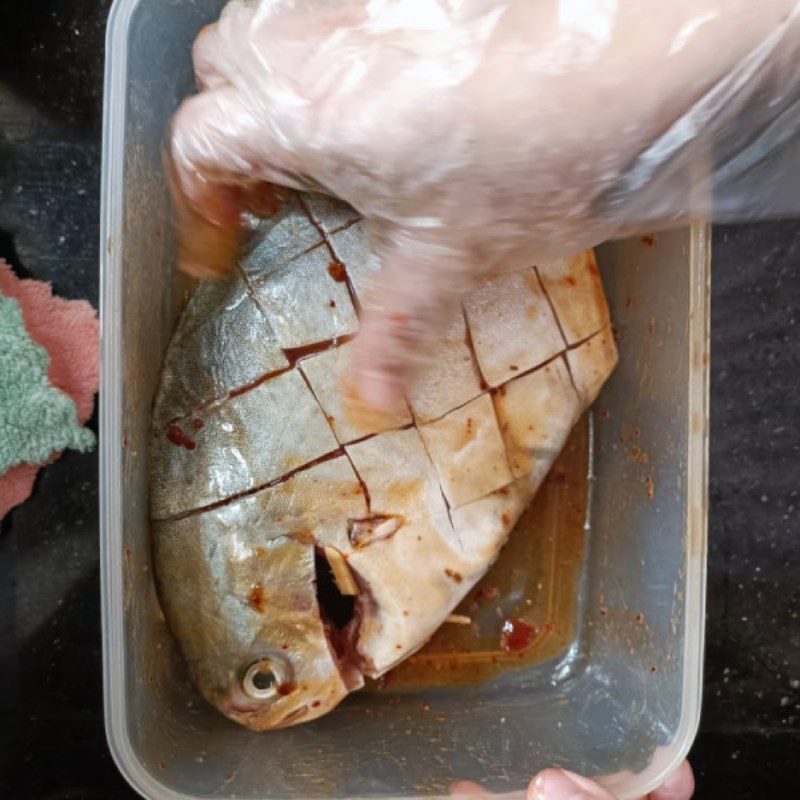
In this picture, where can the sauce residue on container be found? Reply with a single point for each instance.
(516, 635)
(533, 583)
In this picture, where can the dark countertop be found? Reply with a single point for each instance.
(52, 743)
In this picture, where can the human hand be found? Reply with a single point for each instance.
(559, 784)
(472, 137)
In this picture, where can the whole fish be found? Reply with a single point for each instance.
(300, 547)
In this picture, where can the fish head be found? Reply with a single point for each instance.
(285, 677)
(244, 608)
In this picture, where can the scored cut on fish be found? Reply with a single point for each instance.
(450, 377)
(236, 446)
(398, 475)
(468, 452)
(512, 326)
(536, 412)
(304, 302)
(300, 546)
(200, 362)
(325, 373)
(575, 291)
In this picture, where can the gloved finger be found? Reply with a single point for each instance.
(559, 784)
(218, 170)
(678, 786)
(217, 49)
(414, 296)
(207, 59)
(206, 249)
(212, 145)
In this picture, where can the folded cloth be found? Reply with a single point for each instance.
(36, 419)
(69, 331)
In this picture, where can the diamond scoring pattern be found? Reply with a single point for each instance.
(510, 336)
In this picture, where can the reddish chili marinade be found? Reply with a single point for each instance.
(337, 272)
(179, 438)
(516, 635)
(257, 597)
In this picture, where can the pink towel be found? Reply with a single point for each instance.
(70, 332)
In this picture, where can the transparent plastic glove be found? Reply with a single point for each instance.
(558, 784)
(476, 135)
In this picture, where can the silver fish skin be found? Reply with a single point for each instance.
(301, 546)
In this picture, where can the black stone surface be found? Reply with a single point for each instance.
(52, 743)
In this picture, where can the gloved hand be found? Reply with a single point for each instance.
(558, 784)
(472, 136)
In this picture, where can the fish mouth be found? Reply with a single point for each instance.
(243, 711)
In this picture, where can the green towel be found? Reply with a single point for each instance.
(36, 420)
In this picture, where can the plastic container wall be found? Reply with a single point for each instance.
(622, 702)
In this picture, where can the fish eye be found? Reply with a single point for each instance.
(264, 679)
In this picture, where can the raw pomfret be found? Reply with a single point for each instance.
(299, 547)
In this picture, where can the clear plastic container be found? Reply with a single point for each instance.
(620, 701)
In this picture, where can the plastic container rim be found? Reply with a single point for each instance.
(114, 678)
